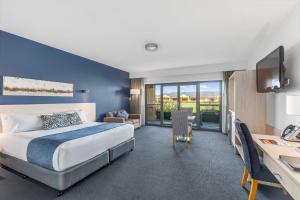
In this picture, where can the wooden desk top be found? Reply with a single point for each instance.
(283, 148)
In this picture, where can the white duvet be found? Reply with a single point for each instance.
(69, 153)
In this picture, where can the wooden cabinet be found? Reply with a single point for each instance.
(245, 103)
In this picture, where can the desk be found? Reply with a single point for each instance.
(288, 178)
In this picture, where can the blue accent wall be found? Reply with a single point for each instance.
(20, 57)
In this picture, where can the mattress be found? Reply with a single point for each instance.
(71, 152)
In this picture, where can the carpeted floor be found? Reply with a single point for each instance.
(207, 170)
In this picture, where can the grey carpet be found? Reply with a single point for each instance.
(207, 170)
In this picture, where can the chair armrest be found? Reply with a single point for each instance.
(114, 119)
(134, 116)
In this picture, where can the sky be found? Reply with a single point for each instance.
(206, 86)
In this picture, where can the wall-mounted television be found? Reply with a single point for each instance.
(270, 72)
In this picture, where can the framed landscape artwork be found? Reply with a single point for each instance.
(15, 86)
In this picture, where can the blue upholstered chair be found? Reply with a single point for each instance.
(182, 129)
(258, 172)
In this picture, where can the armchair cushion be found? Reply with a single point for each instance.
(111, 114)
(132, 121)
(122, 114)
(134, 116)
(119, 117)
(114, 120)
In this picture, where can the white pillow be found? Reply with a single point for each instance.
(20, 123)
(82, 115)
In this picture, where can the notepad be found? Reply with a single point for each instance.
(268, 141)
(291, 162)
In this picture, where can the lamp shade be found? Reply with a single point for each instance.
(293, 105)
(135, 91)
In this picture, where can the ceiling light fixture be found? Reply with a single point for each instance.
(151, 47)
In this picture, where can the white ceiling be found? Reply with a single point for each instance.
(114, 32)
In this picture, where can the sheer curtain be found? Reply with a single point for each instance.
(137, 102)
(226, 76)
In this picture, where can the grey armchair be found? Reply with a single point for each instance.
(134, 119)
(182, 130)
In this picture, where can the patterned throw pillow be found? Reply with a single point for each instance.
(74, 118)
(60, 120)
(122, 114)
(110, 114)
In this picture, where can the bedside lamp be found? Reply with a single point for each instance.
(293, 105)
(84, 91)
(134, 100)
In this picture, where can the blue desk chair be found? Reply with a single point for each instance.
(258, 172)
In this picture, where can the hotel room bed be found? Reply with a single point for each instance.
(69, 153)
(72, 160)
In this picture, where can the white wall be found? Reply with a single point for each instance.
(188, 73)
(286, 33)
(184, 78)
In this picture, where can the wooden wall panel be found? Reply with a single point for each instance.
(249, 106)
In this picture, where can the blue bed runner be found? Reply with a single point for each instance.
(40, 150)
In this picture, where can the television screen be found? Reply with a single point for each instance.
(269, 71)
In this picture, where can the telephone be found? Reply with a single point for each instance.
(291, 133)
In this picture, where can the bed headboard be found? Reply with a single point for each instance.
(89, 108)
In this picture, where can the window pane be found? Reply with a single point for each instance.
(210, 93)
(210, 100)
(153, 104)
(188, 97)
(210, 117)
(170, 102)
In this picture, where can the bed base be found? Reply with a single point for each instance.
(120, 149)
(64, 179)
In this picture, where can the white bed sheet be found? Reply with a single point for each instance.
(69, 153)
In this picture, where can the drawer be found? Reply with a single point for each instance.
(282, 176)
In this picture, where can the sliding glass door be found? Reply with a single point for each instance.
(210, 105)
(169, 103)
(188, 99)
(153, 104)
(203, 98)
